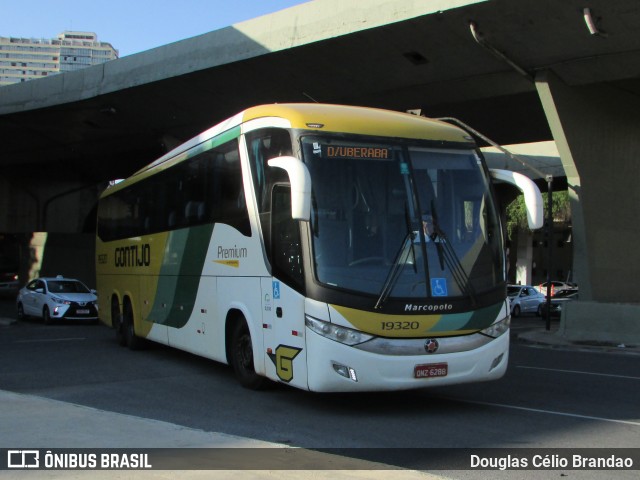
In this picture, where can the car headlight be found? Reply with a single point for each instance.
(60, 301)
(337, 333)
(498, 328)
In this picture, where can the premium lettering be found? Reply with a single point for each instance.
(234, 252)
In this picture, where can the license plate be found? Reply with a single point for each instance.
(431, 370)
(83, 312)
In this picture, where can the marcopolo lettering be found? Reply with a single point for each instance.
(133, 256)
(442, 307)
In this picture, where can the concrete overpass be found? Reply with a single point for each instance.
(517, 70)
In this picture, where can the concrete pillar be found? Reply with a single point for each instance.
(596, 130)
(524, 263)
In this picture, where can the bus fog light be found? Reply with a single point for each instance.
(346, 372)
(496, 361)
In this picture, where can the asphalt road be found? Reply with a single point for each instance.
(550, 398)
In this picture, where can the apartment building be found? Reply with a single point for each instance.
(23, 59)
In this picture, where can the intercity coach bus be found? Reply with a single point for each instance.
(330, 248)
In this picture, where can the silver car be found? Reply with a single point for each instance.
(56, 299)
(525, 299)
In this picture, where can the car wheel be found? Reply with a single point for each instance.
(516, 311)
(21, 315)
(242, 357)
(46, 316)
(539, 312)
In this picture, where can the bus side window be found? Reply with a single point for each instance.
(264, 145)
(227, 195)
(285, 241)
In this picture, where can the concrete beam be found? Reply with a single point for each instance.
(284, 30)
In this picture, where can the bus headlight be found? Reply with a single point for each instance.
(497, 328)
(337, 333)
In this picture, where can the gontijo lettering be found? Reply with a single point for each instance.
(133, 256)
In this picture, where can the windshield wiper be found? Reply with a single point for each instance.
(448, 256)
(395, 270)
(398, 262)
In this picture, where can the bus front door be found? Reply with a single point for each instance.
(283, 304)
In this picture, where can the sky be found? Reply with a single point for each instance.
(130, 26)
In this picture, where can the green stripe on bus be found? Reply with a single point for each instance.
(484, 317)
(180, 275)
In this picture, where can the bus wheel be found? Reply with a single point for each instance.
(242, 357)
(116, 321)
(131, 340)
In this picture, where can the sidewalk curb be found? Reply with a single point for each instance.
(551, 339)
(7, 322)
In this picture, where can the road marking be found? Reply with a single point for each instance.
(40, 340)
(580, 372)
(551, 412)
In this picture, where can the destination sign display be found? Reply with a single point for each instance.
(357, 152)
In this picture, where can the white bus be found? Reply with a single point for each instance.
(327, 247)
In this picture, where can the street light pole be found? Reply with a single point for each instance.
(549, 179)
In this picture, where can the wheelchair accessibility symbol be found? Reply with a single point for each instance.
(439, 287)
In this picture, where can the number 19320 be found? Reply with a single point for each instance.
(400, 325)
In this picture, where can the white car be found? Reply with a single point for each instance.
(556, 286)
(525, 299)
(56, 299)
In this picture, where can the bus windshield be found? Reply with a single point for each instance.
(401, 219)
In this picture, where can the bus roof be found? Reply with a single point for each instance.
(320, 118)
(359, 120)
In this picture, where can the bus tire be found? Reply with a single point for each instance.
(242, 357)
(128, 326)
(116, 321)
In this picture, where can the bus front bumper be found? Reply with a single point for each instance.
(335, 367)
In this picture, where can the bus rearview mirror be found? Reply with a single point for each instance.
(300, 181)
(532, 195)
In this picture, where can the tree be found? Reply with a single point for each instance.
(517, 212)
